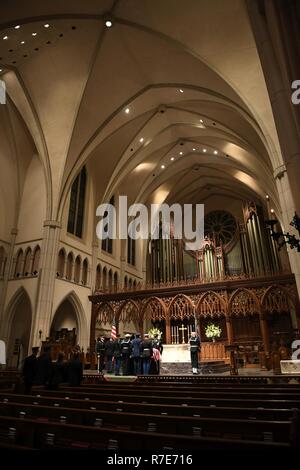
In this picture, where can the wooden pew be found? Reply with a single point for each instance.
(41, 435)
(177, 410)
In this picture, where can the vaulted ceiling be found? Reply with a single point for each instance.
(167, 104)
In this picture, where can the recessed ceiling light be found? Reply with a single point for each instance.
(172, 159)
(127, 110)
(34, 34)
(204, 150)
(0, 70)
(216, 152)
(22, 42)
(108, 24)
(180, 153)
(46, 25)
(201, 120)
(17, 26)
(163, 167)
(272, 211)
(181, 91)
(5, 37)
(194, 149)
(267, 197)
(142, 140)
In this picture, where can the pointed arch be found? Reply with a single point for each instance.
(125, 282)
(243, 302)
(3, 258)
(77, 269)
(128, 311)
(98, 277)
(181, 306)
(85, 269)
(19, 263)
(155, 309)
(82, 333)
(27, 262)
(116, 281)
(104, 313)
(61, 261)
(36, 260)
(69, 266)
(211, 305)
(104, 278)
(277, 299)
(110, 280)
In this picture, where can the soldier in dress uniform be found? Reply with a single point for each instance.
(29, 370)
(100, 350)
(126, 353)
(136, 354)
(117, 354)
(194, 349)
(146, 353)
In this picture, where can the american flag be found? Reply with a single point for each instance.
(113, 333)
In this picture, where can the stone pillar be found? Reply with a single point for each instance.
(94, 265)
(7, 272)
(47, 275)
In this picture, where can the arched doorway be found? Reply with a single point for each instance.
(64, 328)
(19, 329)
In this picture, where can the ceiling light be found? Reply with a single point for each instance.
(108, 23)
(142, 140)
(163, 167)
(194, 149)
(172, 159)
(0, 70)
(127, 110)
(34, 34)
(201, 120)
(5, 37)
(272, 211)
(216, 152)
(204, 150)
(180, 153)
(18, 26)
(46, 25)
(22, 42)
(181, 91)
(267, 197)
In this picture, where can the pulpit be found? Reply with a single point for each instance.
(232, 349)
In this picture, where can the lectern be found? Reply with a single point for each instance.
(232, 349)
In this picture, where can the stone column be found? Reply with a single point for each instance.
(47, 275)
(7, 272)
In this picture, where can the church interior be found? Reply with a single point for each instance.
(165, 102)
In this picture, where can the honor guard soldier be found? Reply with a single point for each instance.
(126, 352)
(100, 351)
(146, 353)
(194, 349)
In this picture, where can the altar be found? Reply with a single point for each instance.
(174, 353)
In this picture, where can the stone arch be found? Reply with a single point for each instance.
(79, 315)
(116, 281)
(126, 282)
(110, 280)
(104, 278)
(3, 258)
(181, 307)
(36, 259)
(19, 263)
(77, 269)
(61, 261)
(18, 326)
(211, 305)
(243, 302)
(85, 270)
(69, 266)
(27, 262)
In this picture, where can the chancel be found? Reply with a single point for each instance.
(164, 105)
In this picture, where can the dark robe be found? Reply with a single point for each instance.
(44, 369)
(29, 372)
(75, 372)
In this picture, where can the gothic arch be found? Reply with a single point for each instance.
(243, 302)
(211, 305)
(27, 269)
(61, 261)
(158, 309)
(277, 299)
(126, 314)
(181, 307)
(82, 333)
(36, 259)
(18, 271)
(104, 313)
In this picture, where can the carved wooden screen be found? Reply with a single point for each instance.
(210, 305)
(276, 301)
(242, 304)
(181, 308)
(105, 314)
(129, 312)
(154, 310)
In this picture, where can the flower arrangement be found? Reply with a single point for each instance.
(154, 331)
(213, 331)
